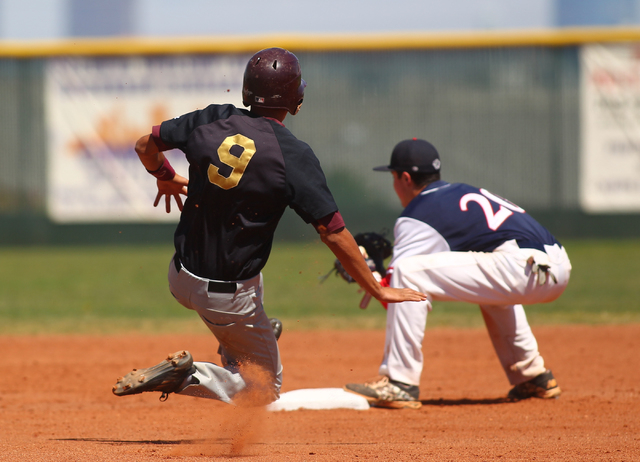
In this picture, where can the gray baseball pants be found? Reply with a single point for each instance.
(233, 311)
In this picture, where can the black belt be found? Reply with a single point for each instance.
(218, 287)
(222, 287)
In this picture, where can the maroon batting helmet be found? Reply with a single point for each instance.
(273, 79)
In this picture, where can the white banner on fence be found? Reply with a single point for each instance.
(96, 110)
(610, 125)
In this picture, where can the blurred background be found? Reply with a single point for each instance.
(46, 19)
(535, 100)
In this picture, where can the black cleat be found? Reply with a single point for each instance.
(542, 386)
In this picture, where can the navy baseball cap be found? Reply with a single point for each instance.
(413, 155)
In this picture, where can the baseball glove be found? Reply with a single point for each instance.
(378, 249)
(375, 248)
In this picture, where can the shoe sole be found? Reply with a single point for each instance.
(550, 394)
(369, 399)
(397, 404)
(387, 404)
(161, 377)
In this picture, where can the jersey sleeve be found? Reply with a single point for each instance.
(414, 237)
(175, 133)
(332, 222)
(306, 186)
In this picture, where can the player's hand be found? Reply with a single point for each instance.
(172, 188)
(391, 295)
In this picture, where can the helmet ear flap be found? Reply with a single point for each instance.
(301, 88)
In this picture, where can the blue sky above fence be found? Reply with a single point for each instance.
(45, 19)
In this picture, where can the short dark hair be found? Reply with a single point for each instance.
(421, 178)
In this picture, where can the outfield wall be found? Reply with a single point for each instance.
(505, 110)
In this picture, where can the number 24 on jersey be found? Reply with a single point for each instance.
(494, 219)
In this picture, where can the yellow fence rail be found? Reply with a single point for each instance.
(122, 46)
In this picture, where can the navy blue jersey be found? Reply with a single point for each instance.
(244, 170)
(459, 217)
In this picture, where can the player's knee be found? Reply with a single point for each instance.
(403, 276)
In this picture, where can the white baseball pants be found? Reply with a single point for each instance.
(500, 282)
(240, 324)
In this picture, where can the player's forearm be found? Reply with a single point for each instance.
(344, 247)
(150, 156)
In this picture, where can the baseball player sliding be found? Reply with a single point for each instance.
(454, 241)
(245, 168)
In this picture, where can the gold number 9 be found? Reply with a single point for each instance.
(238, 164)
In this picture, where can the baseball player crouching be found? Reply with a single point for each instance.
(456, 242)
(245, 168)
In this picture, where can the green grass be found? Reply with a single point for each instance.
(124, 289)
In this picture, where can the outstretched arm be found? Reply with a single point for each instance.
(344, 247)
(169, 183)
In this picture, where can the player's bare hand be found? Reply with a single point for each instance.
(391, 295)
(172, 188)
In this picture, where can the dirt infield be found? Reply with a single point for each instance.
(56, 402)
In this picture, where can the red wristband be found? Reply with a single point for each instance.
(165, 172)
